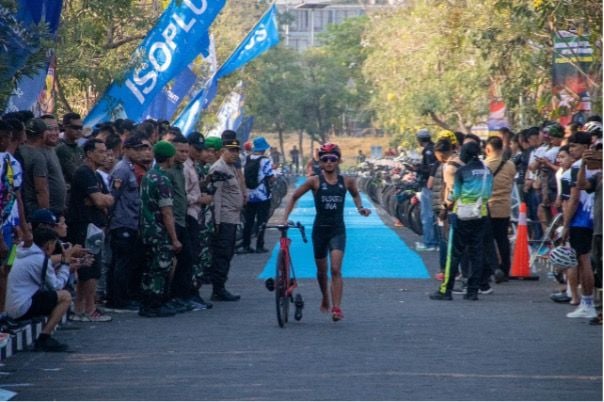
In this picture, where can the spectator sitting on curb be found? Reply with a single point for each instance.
(35, 287)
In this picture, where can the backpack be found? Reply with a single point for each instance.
(251, 170)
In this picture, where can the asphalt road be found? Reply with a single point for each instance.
(394, 344)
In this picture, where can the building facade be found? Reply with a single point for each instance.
(307, 19)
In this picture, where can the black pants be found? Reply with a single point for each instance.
(467, 234)
(223, 249)
(255, 212)
(491, 261)
(125, 271)
(182, 282)
(499, 227)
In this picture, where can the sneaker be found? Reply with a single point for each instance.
(199, 300)
(78, 317)
(500, 276)
(181, 305)
(99, 316)
(153, 312)
(422, 247)
(583, 311)
(560, 297)
(441, 296)
(460, 291)
(440, 276)
(486, 291)
(470, 296)
(244, 250)
(49, 345)
(225, 295)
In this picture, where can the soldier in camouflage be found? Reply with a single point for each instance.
(206, 215)
(158, 232)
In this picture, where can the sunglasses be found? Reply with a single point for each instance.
(329, 158)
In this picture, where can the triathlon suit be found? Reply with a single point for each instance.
(328, 231)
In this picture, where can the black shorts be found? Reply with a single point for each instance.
(42, 304)
(580, 240)
(93, 271)
(326, 239)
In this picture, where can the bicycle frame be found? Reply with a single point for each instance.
(289, 273)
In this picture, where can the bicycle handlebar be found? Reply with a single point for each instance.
(289, 225)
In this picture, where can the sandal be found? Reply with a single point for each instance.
(336, 314)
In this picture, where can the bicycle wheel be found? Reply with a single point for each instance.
(281, 284)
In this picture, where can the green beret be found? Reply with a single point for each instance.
(214, 143)
(164, 149)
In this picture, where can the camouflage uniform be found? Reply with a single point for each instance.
(206, 223)
(156, 192)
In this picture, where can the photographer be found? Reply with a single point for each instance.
(35, 286)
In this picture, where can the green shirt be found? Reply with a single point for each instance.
(156, 192)
(70, 157)
(177, 178)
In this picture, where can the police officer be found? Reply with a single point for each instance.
(158, 232)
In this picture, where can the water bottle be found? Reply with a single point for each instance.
(94, 244)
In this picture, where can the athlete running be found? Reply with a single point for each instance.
(329, 233)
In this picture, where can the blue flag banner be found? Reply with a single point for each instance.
(165, 103)
(230, 113)
(178, 37)
(245, 128)
(187, 119)
(262, 37)
(29, 88)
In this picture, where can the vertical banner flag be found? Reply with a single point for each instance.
(178, 37)
(28, 89)
(166, 102)
(497, 109)
(262, 37)
(572, 80)
(230, 113)
(245, 129)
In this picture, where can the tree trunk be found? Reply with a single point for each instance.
(281, 145)
(439, 122)
(301, 145)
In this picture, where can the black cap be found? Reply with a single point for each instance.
(43, 216)
(234, 143)
(196, 140)
(133, 141)
(228, 135)
(36, 126)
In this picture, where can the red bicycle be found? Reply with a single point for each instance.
(285, 282)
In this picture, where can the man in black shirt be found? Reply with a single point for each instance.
(430, 235)
(90, 200)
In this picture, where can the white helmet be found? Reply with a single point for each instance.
(563, 257)
(593, 127)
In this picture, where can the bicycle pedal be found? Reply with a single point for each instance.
(299, 302)
(270, 284)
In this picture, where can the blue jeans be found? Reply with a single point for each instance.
(428, 222)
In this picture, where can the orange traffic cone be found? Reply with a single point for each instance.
(520, 264)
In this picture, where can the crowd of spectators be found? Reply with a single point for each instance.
(556, 171)
(123, 217)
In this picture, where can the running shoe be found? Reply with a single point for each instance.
(99, 316)
(49, 345)
(422, 247)
(78, 317)
(583, 311)
(441, 296)
(486, 291)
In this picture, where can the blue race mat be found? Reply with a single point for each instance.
(373, 250)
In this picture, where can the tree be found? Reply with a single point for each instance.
(274, 88)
